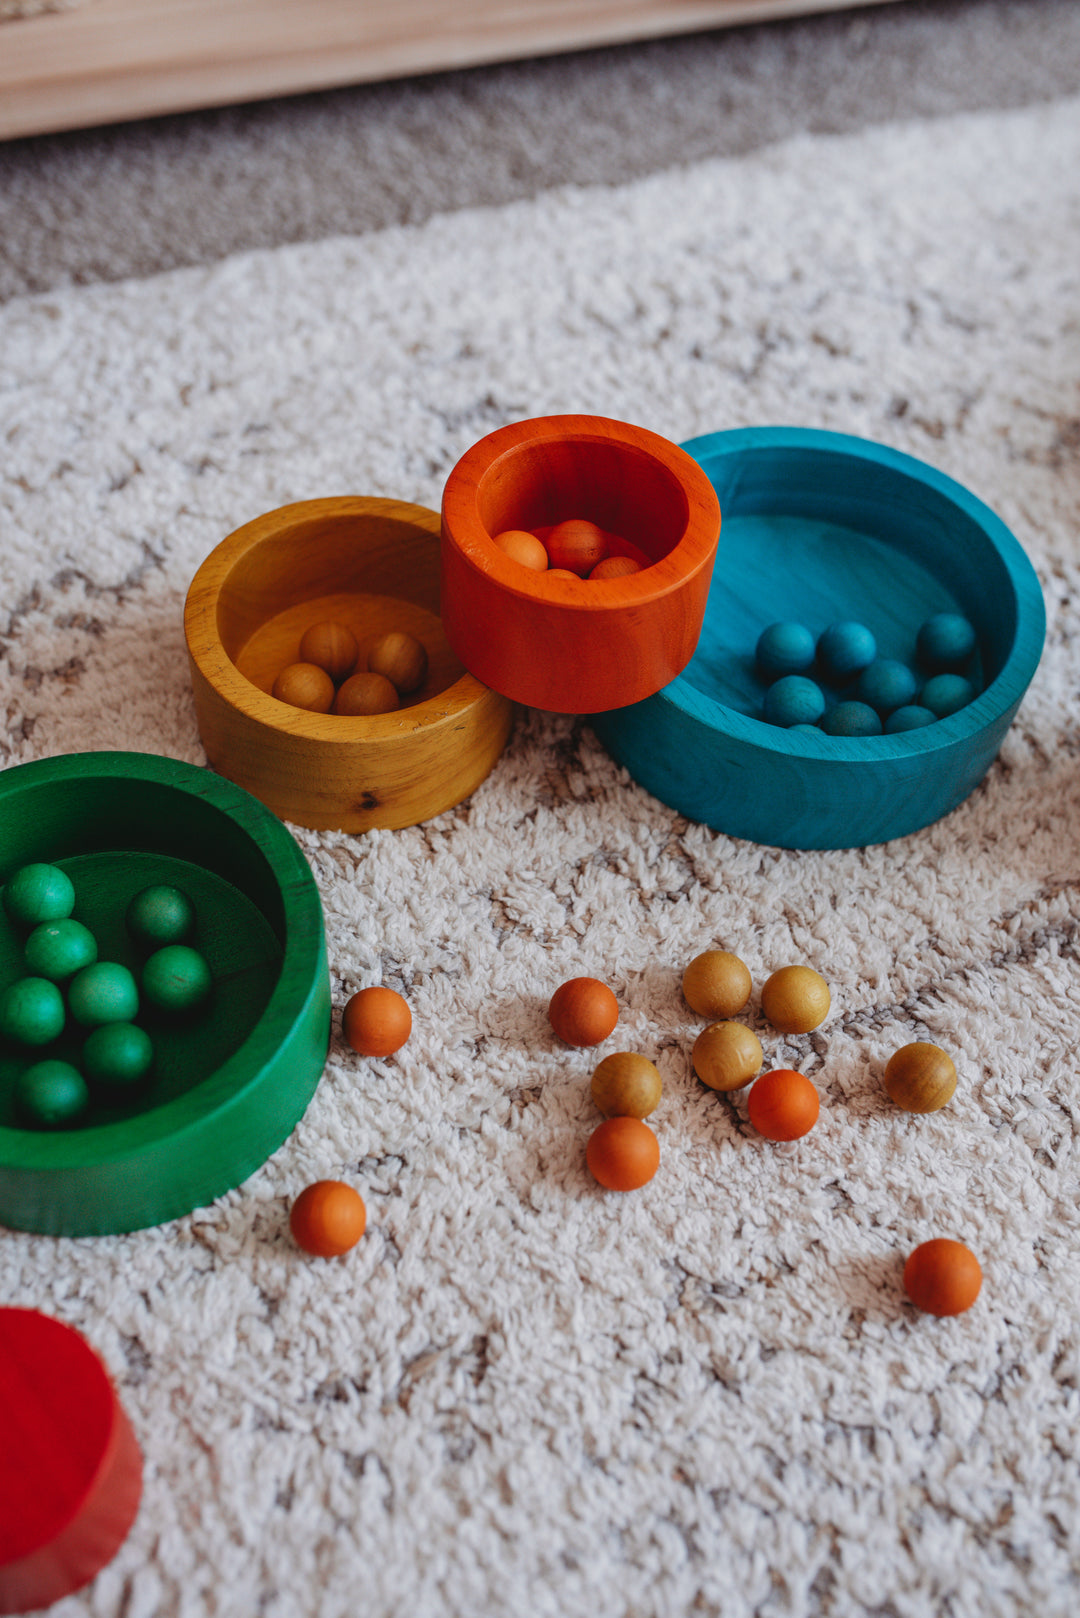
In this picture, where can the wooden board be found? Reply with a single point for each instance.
(110, 60)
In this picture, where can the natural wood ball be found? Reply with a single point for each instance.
(626, 1085)
(376, 1021)
(726, 1055)
(328, 1218)
(795, 999)
(920, 1077)
(716, 984)
(623, 1154)
(366, 694)
(305, 685)
(523, 547)
(401, 659)
(583, 1011)
(332, 647)
(942, 1277)
(615, 567)
(783, 1105)
(576, 544)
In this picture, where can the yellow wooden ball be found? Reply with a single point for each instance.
(920, 1077)
(727, 1055)
(401, 659)
(305, 685)
(716, 984)
(626, 1085)
(796, 999)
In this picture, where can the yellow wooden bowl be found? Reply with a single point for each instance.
(372, 565)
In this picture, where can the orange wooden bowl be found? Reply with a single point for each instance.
(577, 645)
(372, 565)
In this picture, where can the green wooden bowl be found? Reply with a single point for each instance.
(229, 1080)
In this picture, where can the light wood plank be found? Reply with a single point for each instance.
(111, 60)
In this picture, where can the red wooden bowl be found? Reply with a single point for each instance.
(568, 644)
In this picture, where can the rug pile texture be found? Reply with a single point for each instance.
(521, 1394)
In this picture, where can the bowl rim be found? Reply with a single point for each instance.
(1002, 694)
(463, 527)
(33, 1151)
(213, 662)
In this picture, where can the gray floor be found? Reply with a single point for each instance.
(136, 198)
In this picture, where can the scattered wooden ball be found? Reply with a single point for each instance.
(366, 694)
(784, 648)
(31, 1011)
(623, 1154)
(401, 659)
(920, 1077)
(104, 992)
(795, 999)
(160, 914)
(376, 1021)
(523, 547)
(716, 984)
(626, 1085)
(583, 1011)
(328, 1218)
(176, 978)
(304, 685)
(331, 647)
(943, 1277)
(726, 1055)
(51, 1094)
(576, 544)
(783, 1105)
(58, 949)
(561, 573)
(117, 1054)
(37, 893)
(615, 567)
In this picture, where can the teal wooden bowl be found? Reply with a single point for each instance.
(230, 1080)
(821, 527)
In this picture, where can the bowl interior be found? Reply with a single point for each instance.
(819, 533)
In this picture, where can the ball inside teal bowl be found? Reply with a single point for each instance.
(820, 528)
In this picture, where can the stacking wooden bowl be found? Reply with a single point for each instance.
(577, 645)
(372, 565)
(820, 527)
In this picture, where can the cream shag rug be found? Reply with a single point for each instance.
(521, 1395)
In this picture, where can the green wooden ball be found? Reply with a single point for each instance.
(176, 978)
(37, 893)
(103, 993)
(117, 1053)
(31, 1011)
(59, 949)
(159, 915)
(51, 1094)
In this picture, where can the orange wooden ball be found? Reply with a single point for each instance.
(560, 573)
(399, 658)
(716, 984)
(328, 1218)
(615, 567)
(726, 1055)
(376, 1022)
(783, 1105)
(626, 1085)
(305, 685)
(523, 547)
(583, 1011)
(331, 646)
(366, 694)
(920, 1077)
(623, 1154)
(943, 1277)
(576, 544)
(796, 999)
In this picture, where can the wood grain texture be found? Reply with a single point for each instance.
(118, 59)
(374, 566)
(821, 526)
(567, 644)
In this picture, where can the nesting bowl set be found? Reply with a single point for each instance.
(817, 527)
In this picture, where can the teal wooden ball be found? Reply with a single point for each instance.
(31, 1011)
(887, 684)
(103, 993)
(117, 1053)
(39, 893)
(844, 650)
(59, 949)
(946, 693)
(176, 978)
(945, 641)
(910, 717)
(51, 1094)
(851, 719)
(160, 915)
(794, 700)
(785, 648)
